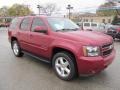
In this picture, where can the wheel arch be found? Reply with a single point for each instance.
(59, 49)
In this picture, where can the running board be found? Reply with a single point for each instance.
(41, 59)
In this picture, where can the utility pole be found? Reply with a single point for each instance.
(39, 7)
(69, 7)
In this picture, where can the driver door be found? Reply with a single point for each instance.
(39, 42)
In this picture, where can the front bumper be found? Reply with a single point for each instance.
(91, 65)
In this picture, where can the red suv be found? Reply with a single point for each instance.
(60, 42)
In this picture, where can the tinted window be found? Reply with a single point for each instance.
(37, 22)
(94, 25)
(103, 20)
(25, 24)
(14, 23)
(86, 24)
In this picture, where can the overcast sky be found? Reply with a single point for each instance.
(79, 5)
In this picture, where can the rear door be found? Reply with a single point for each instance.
(24, 32)
(12, 30)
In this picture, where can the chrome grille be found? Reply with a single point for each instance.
(107, 49)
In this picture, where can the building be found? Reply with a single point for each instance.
(88, 17)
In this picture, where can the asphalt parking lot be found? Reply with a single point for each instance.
(27, 73)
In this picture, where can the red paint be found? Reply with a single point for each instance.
(43, 45)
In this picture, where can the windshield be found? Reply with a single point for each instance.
(62, 24)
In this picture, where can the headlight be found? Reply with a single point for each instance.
(91, 51)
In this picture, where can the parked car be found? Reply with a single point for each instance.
(92, 26)
(4, 24)
(7, 24)
(114, 31)
(107, 26)
(59, 41)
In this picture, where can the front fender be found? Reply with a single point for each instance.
(73, 47)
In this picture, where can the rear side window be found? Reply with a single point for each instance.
(14, 23)
(37, 22)
(25, 24)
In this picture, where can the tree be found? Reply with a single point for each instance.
(19, 10)
(107, 9)
(116, 20)
(49, 8)
(4, 11)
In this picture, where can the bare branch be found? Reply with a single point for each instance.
(49, 8)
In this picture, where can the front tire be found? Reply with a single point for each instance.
(64, 66)
(16, 49)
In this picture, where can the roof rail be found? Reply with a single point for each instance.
(32, 15)
(37, 14)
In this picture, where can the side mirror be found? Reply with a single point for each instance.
(41, 29)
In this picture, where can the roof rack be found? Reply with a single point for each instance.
(37, 14)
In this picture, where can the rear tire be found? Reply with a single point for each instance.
(16, 49)
(64, 66)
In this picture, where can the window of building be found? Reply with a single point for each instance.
(103, 20)
(91, 20)
(86, 20)
(109, 20)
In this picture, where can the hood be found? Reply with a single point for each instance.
(86, 37)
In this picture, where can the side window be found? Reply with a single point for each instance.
(25, 24)
(37, 22)
(14, 23)
(87, 24)
(93, 24)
